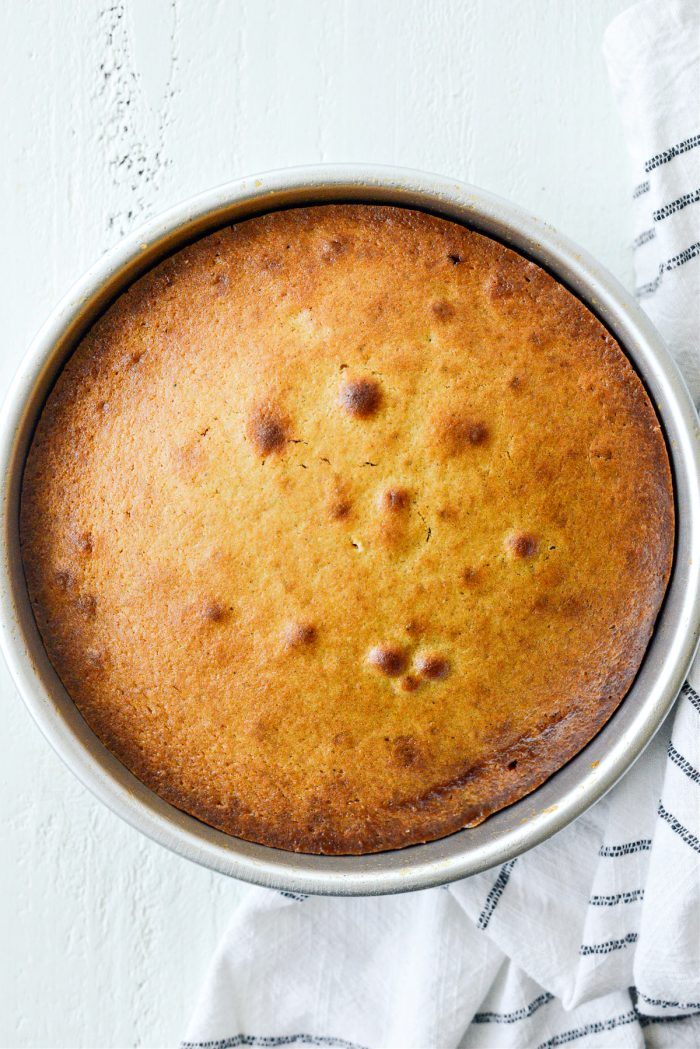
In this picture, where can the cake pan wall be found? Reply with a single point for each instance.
(566, 794)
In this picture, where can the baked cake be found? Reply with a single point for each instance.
(345, 527)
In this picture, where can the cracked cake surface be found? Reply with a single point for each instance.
(345, 527)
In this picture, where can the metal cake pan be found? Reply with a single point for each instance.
(566, 794)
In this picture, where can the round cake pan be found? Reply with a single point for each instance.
(566, 794)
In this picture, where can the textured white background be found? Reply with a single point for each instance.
(112, 111)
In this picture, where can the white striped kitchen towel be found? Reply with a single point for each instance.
(594, 937)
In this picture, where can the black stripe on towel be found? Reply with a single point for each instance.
(683, 763)
(643, 845)
(593, 1028)
(676, 205)
(518, 1014)
(495, 894)
(663, 1003)
(618, 897)
(692, 695)
(643, 238)
(263, 1041)
(683, 256)
(678, 828)
(648, 289)
(670, 264)
(669, 154)
(639, 190)
(600, 1026)
(609, 946)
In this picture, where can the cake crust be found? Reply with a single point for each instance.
(346, 527)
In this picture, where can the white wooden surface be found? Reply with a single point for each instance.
(113, 110)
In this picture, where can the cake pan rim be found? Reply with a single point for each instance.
(573, 788)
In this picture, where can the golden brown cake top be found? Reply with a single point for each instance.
(346, 526)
